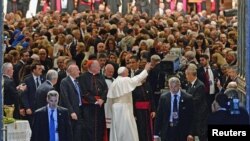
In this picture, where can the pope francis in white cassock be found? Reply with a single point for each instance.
(123, 125)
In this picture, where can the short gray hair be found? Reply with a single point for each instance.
(52, 93)
(155, 58)
(6, 66)
(174, 80)
(192, 68)
(51, 74)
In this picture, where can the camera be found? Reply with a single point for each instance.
(234, 105)
(170, 64)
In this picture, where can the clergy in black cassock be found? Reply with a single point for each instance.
(94, 89)
(144, 110)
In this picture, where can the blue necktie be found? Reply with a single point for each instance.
(52, 129)
(37, 82)
(175, 110)
(78, 91)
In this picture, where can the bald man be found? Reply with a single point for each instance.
(108, 74)
(94, 89)
(71, 98)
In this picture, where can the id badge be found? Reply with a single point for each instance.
(175, 115)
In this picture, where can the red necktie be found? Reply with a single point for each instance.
(207, 83)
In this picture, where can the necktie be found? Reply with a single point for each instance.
(37, 82)
(78, 91)
(175, 110)
(52, 129)
(207, 83)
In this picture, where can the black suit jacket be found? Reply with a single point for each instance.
(41, 94)
(164, 111)
(220, 117)
(28, 96)
(17, 67)
(11, 94)
(69, 96)
(40, 126)
(201, 76)
(200, 106)
(61, 75)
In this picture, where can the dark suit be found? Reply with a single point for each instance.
(28, 96)
(40, 126)
(200, 109)
(162, 124)
(11, 94)
(70, 100)
(61, 75)
(41, 94)
(201, 74)
(17, 67)
(219, 117)
(72, 47)
(222, 117)
(156, 79)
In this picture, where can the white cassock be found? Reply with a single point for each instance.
(107, 106)
(123, 126)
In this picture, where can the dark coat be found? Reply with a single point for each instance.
(11, 94)
(201, 76)
(69, 96)
(185, 116)
(200, 107)
(41, 94)
(17, 67)
(28, 96)
(40, 126)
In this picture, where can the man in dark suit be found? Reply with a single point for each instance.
(209, 76)
(174, 114)
(24, 54)
(156, 78)
(51, 122)
(71, 99)
(221, 115)
(197, 89)
(44, 88)
(28, 96)
(11, 93)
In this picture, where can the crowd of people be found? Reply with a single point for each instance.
(94, 65)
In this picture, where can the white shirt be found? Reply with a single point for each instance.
(211, 80)
(39, 80)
